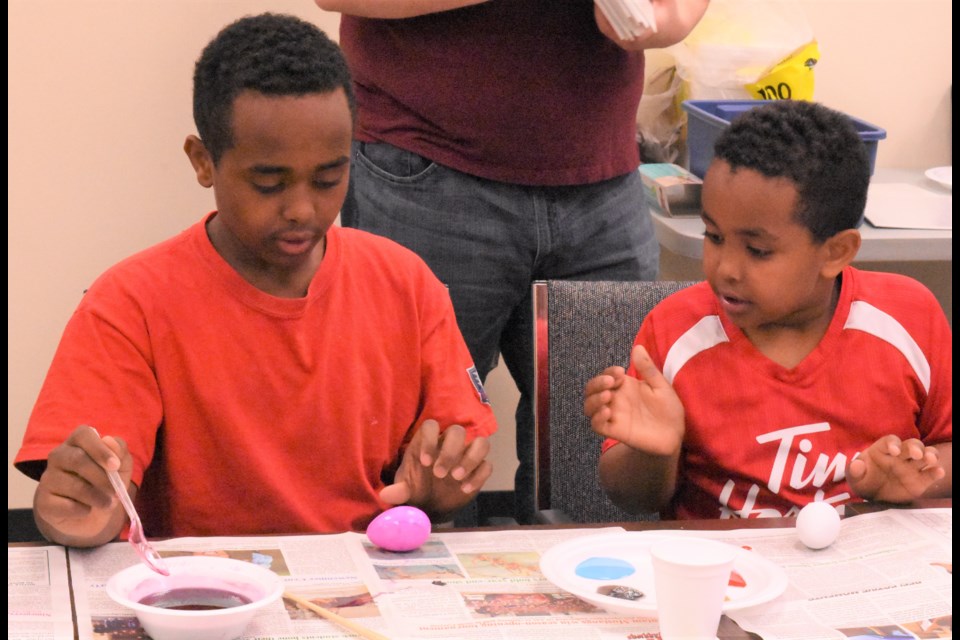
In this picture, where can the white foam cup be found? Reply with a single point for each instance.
(690, 576)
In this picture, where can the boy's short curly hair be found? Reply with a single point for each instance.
(270, 53)
(816, 148)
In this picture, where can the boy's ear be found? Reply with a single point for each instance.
(200, 159)
(840, 249)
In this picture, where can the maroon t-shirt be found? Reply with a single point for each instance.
(521, 91)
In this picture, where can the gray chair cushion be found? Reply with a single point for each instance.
(582, 328)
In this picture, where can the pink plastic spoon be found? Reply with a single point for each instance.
(139, 541)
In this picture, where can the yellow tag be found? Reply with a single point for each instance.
(789, 79)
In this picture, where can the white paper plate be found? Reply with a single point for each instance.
(943, 175)
(755, 579)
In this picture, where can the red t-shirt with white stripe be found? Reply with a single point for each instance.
(763, 440)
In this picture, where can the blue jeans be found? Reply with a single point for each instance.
(489, 241)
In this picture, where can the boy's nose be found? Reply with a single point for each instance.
(728, 266)
(299, 205)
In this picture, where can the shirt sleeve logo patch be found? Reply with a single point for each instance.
(477, 385)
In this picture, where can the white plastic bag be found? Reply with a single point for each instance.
(660, 119)
(736, 43)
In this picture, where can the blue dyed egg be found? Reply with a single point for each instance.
(399, 529)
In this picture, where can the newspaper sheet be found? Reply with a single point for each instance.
(889, 575)
(38, 594)
(455, 586)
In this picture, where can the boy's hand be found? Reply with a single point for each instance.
(894, 471)
(644, 414)
(74, 503)
(438, 472)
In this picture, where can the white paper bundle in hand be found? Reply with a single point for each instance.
(629, 18)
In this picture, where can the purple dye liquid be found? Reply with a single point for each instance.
(195, 599)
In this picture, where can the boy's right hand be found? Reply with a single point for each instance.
(440, 472)
(645, 414)
(74, 503)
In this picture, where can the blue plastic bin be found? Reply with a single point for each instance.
(707, 118)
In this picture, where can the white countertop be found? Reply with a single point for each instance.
(684, 235)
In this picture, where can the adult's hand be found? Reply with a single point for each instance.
(675, 20)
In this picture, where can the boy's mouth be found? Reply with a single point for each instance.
(295, 243)
(732, 304)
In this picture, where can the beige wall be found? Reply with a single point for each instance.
(100, 104)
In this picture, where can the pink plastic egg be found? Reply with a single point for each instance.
(399, 529)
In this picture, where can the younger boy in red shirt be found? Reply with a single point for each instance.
(789, 376)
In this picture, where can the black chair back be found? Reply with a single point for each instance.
(21, 527)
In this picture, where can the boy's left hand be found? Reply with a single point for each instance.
(439, 473)
(891, 470)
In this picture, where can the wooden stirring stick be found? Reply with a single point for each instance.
(346, 623)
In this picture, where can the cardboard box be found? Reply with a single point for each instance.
(671, 189)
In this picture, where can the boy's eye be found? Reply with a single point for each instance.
(712, 237)
(759, 253)
(329, 177)
(268, 188)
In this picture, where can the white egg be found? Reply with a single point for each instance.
(818, 525)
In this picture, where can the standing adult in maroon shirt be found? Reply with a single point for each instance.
(498, 140)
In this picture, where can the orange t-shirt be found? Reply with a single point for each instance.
(247, 413)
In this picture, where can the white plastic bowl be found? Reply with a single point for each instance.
(257, 584)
